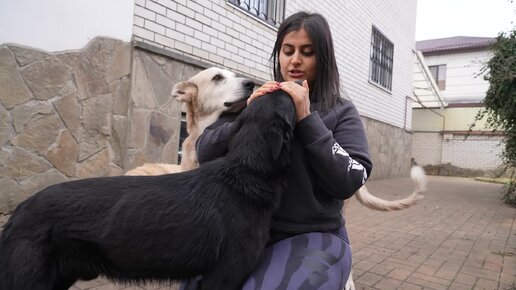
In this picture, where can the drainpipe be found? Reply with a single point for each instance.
(405, 117)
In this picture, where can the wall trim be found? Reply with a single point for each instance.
(186, 59)
(383, 122)
(466, 105)
(464, 133)
(170, 54)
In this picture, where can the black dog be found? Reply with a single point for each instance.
(211, 221)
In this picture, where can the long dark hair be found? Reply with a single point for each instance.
(325, 90)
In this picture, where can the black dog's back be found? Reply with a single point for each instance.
(97, 225)
(213, 220)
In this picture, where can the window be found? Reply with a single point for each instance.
(270, 11)
(439, 74)
(182, 136)
(380, 65)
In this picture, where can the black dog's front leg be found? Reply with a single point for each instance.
(232, 271)
(222, 279)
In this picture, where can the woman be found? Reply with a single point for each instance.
(308, 246)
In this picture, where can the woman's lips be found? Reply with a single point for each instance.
(296, 74)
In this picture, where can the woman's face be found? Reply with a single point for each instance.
(297, 57)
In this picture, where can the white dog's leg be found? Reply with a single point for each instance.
(350, 285)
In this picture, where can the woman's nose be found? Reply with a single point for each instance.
(296, 58)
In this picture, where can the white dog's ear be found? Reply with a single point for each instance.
(184, 91)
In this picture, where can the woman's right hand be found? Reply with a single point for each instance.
(267, 87)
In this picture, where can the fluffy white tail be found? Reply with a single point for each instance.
(417, 174)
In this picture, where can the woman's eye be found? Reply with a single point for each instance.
(288, 51)
(307, 51)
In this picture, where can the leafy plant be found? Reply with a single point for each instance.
(500, 103)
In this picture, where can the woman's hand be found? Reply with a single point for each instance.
(299, 94)
(301, 97)
(268, 87)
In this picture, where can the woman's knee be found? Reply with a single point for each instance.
(308, 261)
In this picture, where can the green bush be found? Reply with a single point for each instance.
(500, 102)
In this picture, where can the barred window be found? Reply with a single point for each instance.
(270, 11)
(182, 136)
(380, 66)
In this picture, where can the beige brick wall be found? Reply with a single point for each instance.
(475, 152)
(427, 148)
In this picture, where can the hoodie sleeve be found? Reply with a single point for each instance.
(340, 158)
(213, 142)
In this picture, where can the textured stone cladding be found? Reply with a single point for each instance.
(155, 117)
(390, 149)
(98, 111)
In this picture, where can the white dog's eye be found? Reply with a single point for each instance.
(217, 78)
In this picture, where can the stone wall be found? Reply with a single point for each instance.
(390, 149)
(98, 111)
(154, 116)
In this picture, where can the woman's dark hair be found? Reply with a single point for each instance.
(325, 89)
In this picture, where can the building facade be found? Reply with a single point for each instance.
(442, 134)
(87, 91)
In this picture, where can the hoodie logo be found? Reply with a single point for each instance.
(353, 164)
(336, 149)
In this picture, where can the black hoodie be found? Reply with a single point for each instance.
(330, 161)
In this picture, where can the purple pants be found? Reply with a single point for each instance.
(311, 261)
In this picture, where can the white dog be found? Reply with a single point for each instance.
(211, 92)
(205, 95)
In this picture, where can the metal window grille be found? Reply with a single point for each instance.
(382, 55)
(182, 136)
(270, 11)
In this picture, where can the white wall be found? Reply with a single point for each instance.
(351, 22)
(212, 31)
(215, 32)
(56, 25)
(463, 84)
(396, 19)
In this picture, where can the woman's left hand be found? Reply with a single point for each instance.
(300, 96)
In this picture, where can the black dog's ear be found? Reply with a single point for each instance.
(278, 139)
(275, 140)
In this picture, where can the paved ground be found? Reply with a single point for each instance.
(461, 236)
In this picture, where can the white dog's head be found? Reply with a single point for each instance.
(214, 90)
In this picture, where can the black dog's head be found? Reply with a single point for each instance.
(262, 134)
